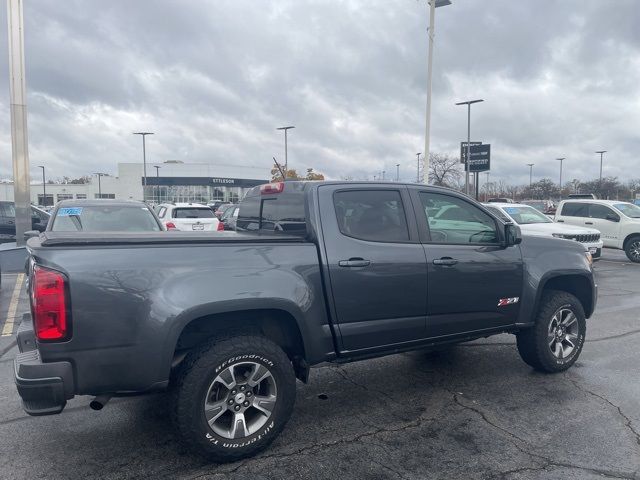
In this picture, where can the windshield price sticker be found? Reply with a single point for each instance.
(70, 211)
(511, 210)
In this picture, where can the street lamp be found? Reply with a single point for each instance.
(601, 152)
(486, 187)
(466, 166)
(397, 172)
(433, 4)
(157, 167)
(383, 172)
(560, 160)
(44, 188)
(286, 158)
(100, 175)
(144, 160)
(418, 174)
(530, 175)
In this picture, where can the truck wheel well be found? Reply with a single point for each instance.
(278, 326)
(576, 285)
(629, 237)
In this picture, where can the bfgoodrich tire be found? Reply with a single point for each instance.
(233, 397)
(554, 343)
(632, 249)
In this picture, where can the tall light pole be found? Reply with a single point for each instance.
(286, 158)
(100, 175)
(560, 160)
(466, 166)
(433, 4)
(157, 167)
(397, 172)
(144, 161)
(601, 152)
(486, 187)
(44, 187)
(530, 175)
(418, 174)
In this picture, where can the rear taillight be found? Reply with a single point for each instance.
(49, 305)
(220, 227)
(268, 188)
(171, 226)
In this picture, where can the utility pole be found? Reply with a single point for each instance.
(418, 172)
(286, 157)
(486, 187)
(433, 4)
(530, 175)
(383, 172)
(157, 167)
(466, 165)
(601, 152)
(18, 102)
(144, 161)
(44, 187)
(560, 160)
(100, 175)
(397, 172)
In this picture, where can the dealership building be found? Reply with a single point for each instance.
(171, 181)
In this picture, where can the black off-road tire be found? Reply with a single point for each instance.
(533, 343)
(196, 375)
(632, 249)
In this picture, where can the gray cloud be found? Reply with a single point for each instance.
(214, 78)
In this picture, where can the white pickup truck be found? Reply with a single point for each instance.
(618, 222)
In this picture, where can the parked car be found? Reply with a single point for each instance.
(213, 205)
(231, 327)
(534, 222)
(103, 216)
(589, 196)
(219, 212)
(229, 217)
(618, 222)
(39, 220)
(191, 217)
(545, 206)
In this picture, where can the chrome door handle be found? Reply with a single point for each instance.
(354, 262)
(588, 223)
(446, 261)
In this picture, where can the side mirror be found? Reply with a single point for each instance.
(512, 235)
(31, 234)
(613, 218)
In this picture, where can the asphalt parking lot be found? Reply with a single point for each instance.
(475, 412)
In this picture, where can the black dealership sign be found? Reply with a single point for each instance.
(480, 160)
(463, 150)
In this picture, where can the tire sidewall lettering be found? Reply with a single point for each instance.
(229, 444)
(239, 358)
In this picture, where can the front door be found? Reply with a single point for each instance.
(474, 282)
(376, 265)
(607, 220)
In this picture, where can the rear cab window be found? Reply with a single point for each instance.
(274, 212)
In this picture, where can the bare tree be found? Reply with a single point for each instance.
(444, 170)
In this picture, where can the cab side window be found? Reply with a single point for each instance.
(602, 212)
(453, 220)
(575, 209)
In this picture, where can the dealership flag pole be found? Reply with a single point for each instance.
(19, 146)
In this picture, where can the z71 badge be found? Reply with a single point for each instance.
(508, 301)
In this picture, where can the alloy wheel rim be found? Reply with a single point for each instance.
(240, 400)
(635, 250)
(563, 332)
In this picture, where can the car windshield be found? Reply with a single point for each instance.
(105, 218)
(628, 209)
(526, 215)
(203, 212)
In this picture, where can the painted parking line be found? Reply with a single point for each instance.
(9, 321)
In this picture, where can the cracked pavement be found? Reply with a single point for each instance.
(476, 411)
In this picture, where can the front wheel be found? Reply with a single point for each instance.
(233, 397)
(554, 343)
(632, 249)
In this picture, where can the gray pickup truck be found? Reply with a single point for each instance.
(319, 272)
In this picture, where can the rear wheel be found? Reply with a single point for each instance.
(554, 343)
(632, 249)
(233, 397)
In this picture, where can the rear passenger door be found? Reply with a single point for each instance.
(376, 265)
(474, 282)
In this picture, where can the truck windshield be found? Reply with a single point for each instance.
(630, 210)
(107, 218)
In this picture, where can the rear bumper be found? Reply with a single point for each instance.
(43, 387)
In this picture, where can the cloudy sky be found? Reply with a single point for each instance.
(215, 78)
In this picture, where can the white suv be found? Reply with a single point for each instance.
(189, 217)
(534, 222)
(618, 222)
